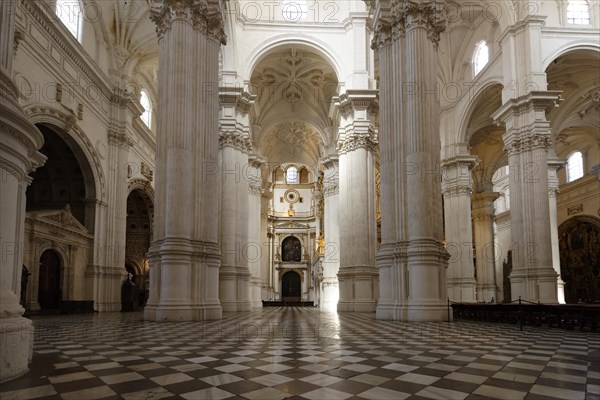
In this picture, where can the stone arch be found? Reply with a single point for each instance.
(67, 178)
(283, 41)
(568, 48)
(465, 118)
(70, 131)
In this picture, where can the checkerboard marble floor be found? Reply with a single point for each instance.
(302, 353)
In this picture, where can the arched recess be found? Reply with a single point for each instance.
(291, 249)
(67, 128)
(139, 224)
(66, 178)
(49, 280)
(579, 244)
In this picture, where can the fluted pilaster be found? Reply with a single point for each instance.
(485, 254)
(456, 189)
(331, 255)
(554, 164)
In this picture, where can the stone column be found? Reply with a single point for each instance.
(114, 273)
(305, 285)
(256, 251)
(19, 142)
(185, 256)
(234, 275)
(554, 164)
(412, 260)
(456, 188)
(483, 232)
(527, 140)
(331, 251)
(357, 209)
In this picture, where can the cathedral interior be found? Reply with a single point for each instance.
(170, 168)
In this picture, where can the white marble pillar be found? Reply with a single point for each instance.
(234, 125)
(113, 274)
(185, 256)
(412, 260)
(255, 251)
(305, 285)
(19, 142)
(234, 275)
(357, 275)
(456, 188)
(527, 140)
(276, 279)
(331, 250)
(554, 164)
(485, 254)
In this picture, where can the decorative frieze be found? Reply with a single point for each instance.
(514, 144)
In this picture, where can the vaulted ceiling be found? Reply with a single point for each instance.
(294, 89)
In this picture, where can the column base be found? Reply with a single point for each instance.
(165, 313)
(234, 288)
(535, 285)
(560, 288)
(107, 306)
(427, 313)
(358, 288)
(391, 312)
(330, 295)
(16, 337)
(461, 290)
(486, 293)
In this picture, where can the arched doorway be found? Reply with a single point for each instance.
(579, 243)
(291, 286)
(49, 295)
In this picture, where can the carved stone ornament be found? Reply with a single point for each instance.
(196, 12)
(529, 142)
(235, 140)
(407, 15)
(354, 142)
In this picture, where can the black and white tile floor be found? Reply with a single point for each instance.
(301, 353)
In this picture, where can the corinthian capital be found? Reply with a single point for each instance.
(236, 140)
(353, 142)
(427, 14)
(203, 15)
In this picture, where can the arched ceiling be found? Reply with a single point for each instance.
(577, 120)
(481, 125)
(294, 89)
